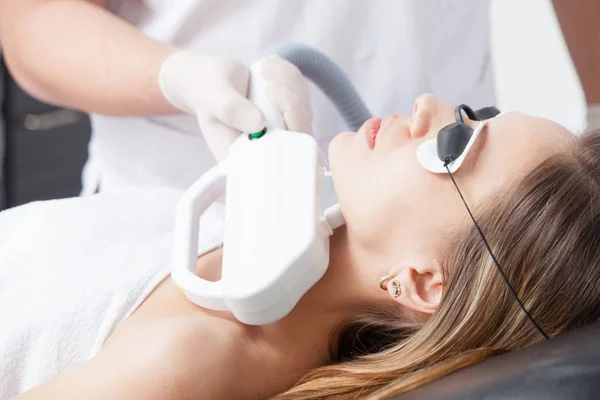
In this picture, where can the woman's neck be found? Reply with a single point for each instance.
(323, 308)
(306, 331)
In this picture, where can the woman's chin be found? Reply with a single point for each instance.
(336, 148)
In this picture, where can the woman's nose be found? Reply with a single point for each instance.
(428, 113)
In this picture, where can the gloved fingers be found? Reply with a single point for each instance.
(276, 69)
(202, 84)
(218, 136)
(281, 72)
(232, 108)
(294, 107)
(287, 90)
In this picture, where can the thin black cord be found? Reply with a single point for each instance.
(494, 258)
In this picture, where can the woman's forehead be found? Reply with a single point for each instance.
(533, 136)
(528, 125)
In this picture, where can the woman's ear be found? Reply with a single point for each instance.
(417, 287)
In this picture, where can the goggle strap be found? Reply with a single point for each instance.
(512, 290)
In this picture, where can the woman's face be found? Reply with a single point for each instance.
(394, 207)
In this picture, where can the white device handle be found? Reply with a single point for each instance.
(192, 204)
(258, 95)
(199, 197)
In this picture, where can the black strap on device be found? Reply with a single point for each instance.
(451, 142)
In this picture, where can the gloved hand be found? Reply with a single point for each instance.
(287, 90)
(214, 88)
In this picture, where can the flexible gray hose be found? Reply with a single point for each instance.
(319, 68)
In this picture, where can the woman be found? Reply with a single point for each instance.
(533, 188)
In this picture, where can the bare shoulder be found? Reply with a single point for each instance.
(202, 340)
(177, 358)
(224, 358)
(201, 357)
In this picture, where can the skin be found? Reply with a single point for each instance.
(172, 349)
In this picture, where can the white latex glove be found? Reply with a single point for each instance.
(287, 90)
(214, 88)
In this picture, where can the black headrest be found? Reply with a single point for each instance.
(565, 367)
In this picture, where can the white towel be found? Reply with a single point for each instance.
(72, 270)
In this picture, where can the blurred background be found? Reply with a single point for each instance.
(43, 148)
(533, 70)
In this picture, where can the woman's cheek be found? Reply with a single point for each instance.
(338, 141)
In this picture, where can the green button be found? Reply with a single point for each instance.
(257, 135)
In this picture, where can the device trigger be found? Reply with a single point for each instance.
(333, 218)
(326, 226)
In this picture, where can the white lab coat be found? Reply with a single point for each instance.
(392, 50)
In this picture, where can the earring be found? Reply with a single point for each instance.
(397, 289)
(384, 280)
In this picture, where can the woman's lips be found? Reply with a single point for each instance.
(371, 129)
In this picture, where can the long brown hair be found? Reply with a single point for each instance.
(545, 232)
